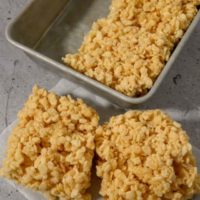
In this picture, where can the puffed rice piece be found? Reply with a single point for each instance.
(145, 155)
(128, 49)
(52, 146)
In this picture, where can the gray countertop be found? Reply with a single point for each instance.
(179, 94)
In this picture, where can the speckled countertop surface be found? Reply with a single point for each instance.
(179, 94)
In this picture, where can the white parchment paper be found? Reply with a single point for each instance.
(105, 110)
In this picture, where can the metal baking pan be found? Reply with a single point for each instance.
(47, 29)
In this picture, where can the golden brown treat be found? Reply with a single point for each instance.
(128, 49)
(145, 155)
(52, 147)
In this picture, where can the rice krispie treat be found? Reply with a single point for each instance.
(128, 49)
(52, 147)
(145, 155)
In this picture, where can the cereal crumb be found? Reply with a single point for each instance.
(128, 49)
(52, 147)
(145, 155)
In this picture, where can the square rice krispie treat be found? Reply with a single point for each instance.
(128, 49)
(145, 156)
(51, 149)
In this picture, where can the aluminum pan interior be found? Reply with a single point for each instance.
(46, 30)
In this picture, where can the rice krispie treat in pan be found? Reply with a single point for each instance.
(145, 156)
(128, 49)
(52, 147)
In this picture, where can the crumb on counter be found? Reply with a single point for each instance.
(145, 155)
(128, 49)
(52, 147)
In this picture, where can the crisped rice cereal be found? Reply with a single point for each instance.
(145, 156)
(52, 147)
(128, 49)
